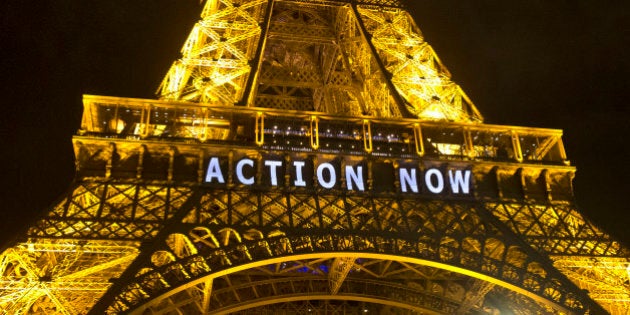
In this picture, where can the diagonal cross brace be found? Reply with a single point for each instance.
(145, 254)
(338, 272)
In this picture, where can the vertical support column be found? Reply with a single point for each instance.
(367, 136)
(316, 186)
(250, 87)
(207, 293)
(259, 128)
(396, 166)
(314, 131)
(547, 183)
(140, 167)
(522, 180)
(145, 118)
(110, 160)
(398, 99)
(497, 177)
(476, 293)
(370, 175)
(563, 153)
(230, 185)
(339, 270)
(287, 183)
(171, 164)
(417, 137)
(201, 166)
(203, 136)
(516, 147)
(470, 148)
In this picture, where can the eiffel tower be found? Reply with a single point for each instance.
(312, 156)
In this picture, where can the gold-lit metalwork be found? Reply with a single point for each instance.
(346, 82)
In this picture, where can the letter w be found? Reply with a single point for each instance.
(458, 180)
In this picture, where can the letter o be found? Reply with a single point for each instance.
(320, 175)
(436, 189)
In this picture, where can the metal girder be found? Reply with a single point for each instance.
(255, 289)
(222, 45)
(386, 57)
(64, 276)
(515, 266)
(406, 288)
(415, 70)
(338, 272)
(145, 255)
(557, 229)
(306, 210)
(475, 295)
(114, 211)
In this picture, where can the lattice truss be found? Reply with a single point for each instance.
(334, 56)
(578, 249)
(232, 235)
(46, 276)
(215, 58)
(68, 259)
(458, 235)
(219, 250)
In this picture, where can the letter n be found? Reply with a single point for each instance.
(354, 177)
(407, 179)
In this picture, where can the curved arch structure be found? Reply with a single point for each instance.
(181, 273)
(312, 156)
(308, 277)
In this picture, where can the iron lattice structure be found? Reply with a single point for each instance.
(164, 217)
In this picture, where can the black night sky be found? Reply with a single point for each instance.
(555, 64)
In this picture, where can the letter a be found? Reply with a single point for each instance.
(214, 171)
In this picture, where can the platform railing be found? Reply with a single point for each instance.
(306, 131)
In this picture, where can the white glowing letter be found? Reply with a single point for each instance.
(299, 182)
(273, 165)
(214, 171)
(458, 181)
(408, 179)
(438, 176)
(356, 177)
(239, 171)
(320, 175)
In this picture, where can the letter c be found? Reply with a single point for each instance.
(239, 171)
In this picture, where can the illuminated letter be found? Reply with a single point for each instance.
(407, 179)
(214, 170)
(273, 165)
(440, 180)
(459, 181)
(320, 178)
(299, 182)
(239, 171)
(356, 177)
